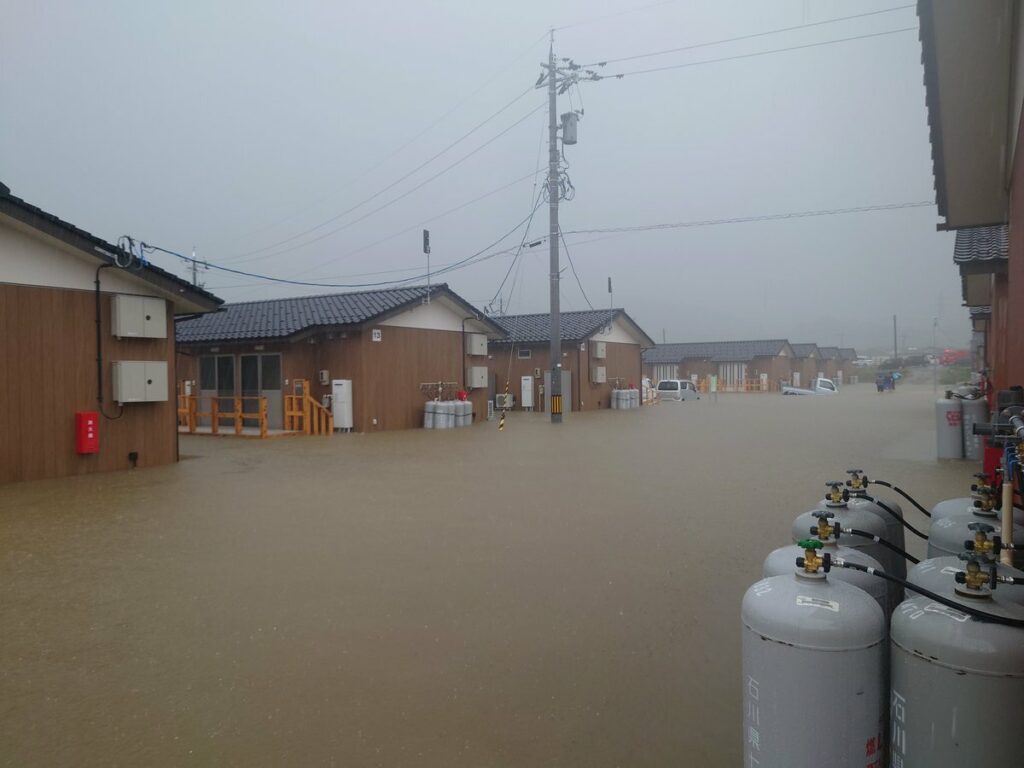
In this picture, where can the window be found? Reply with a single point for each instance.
(270, 373)
(225, 375)
(525, 354)
(668, 386)
(207, 373)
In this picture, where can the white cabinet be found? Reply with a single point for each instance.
(598, 350)
(139, 381)
(476, 344)
(140, 317)
(598, 375)
(476, 376)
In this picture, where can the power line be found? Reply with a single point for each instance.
(405, 194)
(403, 146)
(748, 219)
(450, 211)
(746, 37)
(526, 234)
(620, 75)
(569, 257)
(390, 186)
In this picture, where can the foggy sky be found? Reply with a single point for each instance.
(232, 126)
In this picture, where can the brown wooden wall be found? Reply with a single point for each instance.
(622, 361)
(48, 372)
(385, 375)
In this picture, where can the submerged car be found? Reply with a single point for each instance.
(818, 387)
(677, 389)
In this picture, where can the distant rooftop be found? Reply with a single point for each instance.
(716, 351)
(575, 326)
(981, 244)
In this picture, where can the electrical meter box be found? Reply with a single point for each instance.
(139, 381)
(598, 375)
(139, 317)
(598, 350)
(476, 344)
(476, 376)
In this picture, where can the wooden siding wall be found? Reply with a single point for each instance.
(995, 341)
(622, 361)
(1011, 368)
(385, 375)
(48, 373)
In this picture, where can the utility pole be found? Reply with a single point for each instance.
(895, 350)
(556, 309)
(935, 358)
(426, 250)
(559, 80)
(195, 278)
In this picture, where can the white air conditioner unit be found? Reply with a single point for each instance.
(325, 376)
(503, 402)
(598, 350)
(598, 375)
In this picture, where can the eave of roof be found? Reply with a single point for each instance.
(36, 218)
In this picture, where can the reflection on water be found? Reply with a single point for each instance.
(541, 596)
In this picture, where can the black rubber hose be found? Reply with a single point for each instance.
(904, 494)
(892, 512)
(932, 595)
(887, 544)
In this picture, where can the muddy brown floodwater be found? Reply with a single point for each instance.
(535, 597)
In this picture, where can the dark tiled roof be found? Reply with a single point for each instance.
(985, 311)
(829, 353)
(804, 350)
(576, 326)
(716, 351)
(98, 248)
(981, 244)
(280, 318)
(847, 353)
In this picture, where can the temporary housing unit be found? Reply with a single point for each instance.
(831, 362)
(739, 366)
(86, 350)
(973, 57)
(847, 358)
(806, 364)
(398, 347)
(601, 351)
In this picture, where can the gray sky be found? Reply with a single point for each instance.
(236, 126)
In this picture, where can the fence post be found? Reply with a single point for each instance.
(214, 415)
(263, 417)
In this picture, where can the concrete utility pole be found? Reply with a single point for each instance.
(559, 80)
(895, 349)
(556, 309)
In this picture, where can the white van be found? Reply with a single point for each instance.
(677, 389)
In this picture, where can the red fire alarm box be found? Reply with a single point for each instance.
(87, 432)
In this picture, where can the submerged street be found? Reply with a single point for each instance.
(539, 596)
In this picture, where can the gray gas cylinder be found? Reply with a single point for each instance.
(780, 563)
(441, 415)
(429, 409)
(935, 573)
(949, 432)
(613, 401)
(859, 517)
(957, 683)
(946, 537)
(975, 411)
(813, 650)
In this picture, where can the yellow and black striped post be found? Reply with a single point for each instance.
(501, 419)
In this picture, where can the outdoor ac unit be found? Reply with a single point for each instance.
(503, 402)
(598, 374)
(325, 376)
(599, 350)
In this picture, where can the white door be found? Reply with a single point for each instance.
(796, 378)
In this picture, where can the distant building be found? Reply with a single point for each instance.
(806, 363)
(739, 365)
(79, 328)
(387, 342)
(601, 351)
(831, 362)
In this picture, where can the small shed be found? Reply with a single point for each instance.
(740, 366)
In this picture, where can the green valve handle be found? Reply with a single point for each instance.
(809, 544)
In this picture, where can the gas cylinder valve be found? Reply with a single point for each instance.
(858, 480)
(981, 541)
(811, 562)
(836, 495)
(974, 577)
(825, 530)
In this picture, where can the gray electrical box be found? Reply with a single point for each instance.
(139, 381)
(569, 121)
(140, 317)
(476, 344)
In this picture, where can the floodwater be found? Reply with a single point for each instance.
(535, 597)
